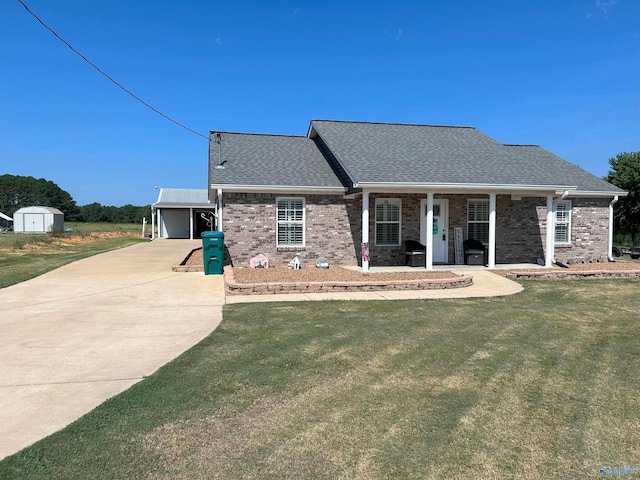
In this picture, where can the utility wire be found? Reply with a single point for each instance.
(106, 75)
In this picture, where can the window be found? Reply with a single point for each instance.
(388, 221)
(290, 222)
(478, 220)
(563, 221)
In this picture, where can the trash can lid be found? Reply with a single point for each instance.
(214, 234)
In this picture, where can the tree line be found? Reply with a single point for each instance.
(20, 191)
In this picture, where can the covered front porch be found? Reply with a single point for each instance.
(511, 225)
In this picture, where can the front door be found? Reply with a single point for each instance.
(440, 229)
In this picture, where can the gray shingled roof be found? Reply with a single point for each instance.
(423, 154)
(270, 161)
(382, 153)
(182, 197)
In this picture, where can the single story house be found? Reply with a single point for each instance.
(355, 192)
(38, 219)
(182, 213)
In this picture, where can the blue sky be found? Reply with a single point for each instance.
(563, 74)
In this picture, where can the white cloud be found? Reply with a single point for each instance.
(605, 5)
(399, 34)
(218, 41)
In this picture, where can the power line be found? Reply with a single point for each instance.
(119, 85)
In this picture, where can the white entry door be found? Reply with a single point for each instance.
(440, 231)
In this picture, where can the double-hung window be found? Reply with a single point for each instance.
(290, 222)
(563, 222)
(388, 214)
(478, 220)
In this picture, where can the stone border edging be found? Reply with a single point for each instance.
(234, 287)
(576, 274)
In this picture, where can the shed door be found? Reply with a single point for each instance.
(34, 222)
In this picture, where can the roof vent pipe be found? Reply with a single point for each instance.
(218, 139)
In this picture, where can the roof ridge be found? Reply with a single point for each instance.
(394, 123)
(520, 145)
(258, 134)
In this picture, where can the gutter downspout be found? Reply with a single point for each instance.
(609, 255)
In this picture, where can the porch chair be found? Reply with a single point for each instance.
(415, 253)
(474, 252)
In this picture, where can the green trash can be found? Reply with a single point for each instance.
(213, 252)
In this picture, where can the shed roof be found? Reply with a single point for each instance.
(182, 197)
(39, 209)
(6, 217)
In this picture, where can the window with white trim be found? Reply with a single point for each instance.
(563, 222)
(478, 220)
(388, 214)
(290, 222)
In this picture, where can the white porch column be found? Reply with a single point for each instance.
(160, 229)
(429, 252)
(190, 223)
(365, 232)
(549, 252)
(492, 231)
(153, 224)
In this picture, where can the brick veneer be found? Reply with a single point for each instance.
(333, 229)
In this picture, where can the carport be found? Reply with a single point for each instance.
(182, 213)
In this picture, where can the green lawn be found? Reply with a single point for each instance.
(542, 384)
(25, 256)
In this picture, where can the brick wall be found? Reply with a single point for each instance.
(589, 232)
(249, 224)
(333, 229)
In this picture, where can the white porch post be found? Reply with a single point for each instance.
(153, 223)
(190, 223)
(365, 231)
(492, 231)
(160, 229)
(429, 252)
(549, 253)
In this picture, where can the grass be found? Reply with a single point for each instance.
(543, 384)
(25, 256)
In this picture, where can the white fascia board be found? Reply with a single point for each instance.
(596, 194)
(279, 189)
(462, 188)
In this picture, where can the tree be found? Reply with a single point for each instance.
(624, 172)
(17, 191)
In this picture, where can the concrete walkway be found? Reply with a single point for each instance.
(80, 334)
(85, 332)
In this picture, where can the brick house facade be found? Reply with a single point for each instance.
(336, 192)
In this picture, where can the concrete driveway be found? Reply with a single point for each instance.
(80, 334)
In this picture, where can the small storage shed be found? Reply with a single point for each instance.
(38, 220)
(182, 213)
